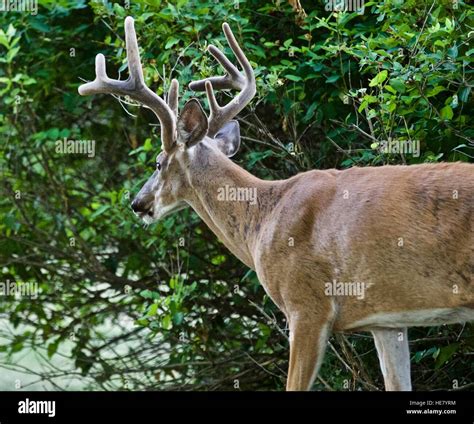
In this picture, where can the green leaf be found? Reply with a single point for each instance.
(310, 112)
(445, 354)
(453, 52)
(11, 31)
(332, 78)
(178, 318)
(424, 353)
(12, 53)
(464, 94)
(447, 113)
(147, 146)
(148, 294)
(29, 81)
(449, 25)
(379, 78)
(217, 260)
(434, 91)
(369, 99)
(363, 105)
(40, 25)
(11, 222)
(52, 348)
(398, 84)
(4, 39)
(152, 310)
(171, 42)
(16, 347)
(53, 133)
(293, 77)
(99, 211)
(166, 322)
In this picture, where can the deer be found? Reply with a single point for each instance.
(377, 248)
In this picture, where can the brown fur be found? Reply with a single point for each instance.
(347, 225)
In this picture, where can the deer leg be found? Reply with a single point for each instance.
(394, 357)
(308, 340)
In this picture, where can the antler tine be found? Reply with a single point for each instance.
(173, 96)
(233, 80)
(134, 87)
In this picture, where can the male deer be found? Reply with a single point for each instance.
(404, 234)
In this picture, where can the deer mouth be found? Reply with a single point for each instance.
(147, 218)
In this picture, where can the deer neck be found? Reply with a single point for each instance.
(232, 202)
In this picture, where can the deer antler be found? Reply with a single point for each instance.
(135, 87)
(234, 79)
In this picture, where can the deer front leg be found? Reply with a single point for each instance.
(394, 357)
(308, 340)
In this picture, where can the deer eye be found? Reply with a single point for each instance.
(158, 166)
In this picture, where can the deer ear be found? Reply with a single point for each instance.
(228, 138)
(192, 123)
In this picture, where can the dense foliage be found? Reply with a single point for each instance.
(122, 306)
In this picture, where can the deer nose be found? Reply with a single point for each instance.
(135, 205)
(139, 206)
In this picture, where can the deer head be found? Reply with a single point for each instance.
(188, 136)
